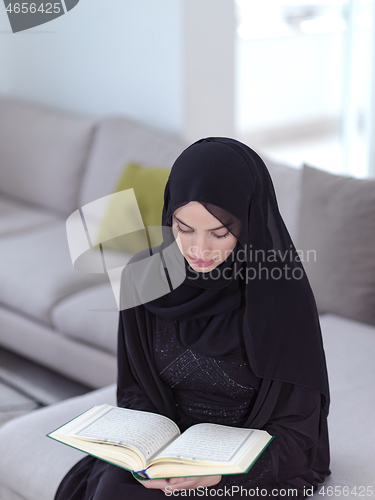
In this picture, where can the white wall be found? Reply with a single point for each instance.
(171, 64)
(287, 80)
(209, 68)
(103, 57)
(166, 63)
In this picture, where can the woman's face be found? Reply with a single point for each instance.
(201, 238)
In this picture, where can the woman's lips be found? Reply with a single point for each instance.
(201, 263)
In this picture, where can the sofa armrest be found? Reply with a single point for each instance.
(32, 465)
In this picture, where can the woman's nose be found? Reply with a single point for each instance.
(201, 249)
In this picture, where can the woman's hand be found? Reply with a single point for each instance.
(181, 483)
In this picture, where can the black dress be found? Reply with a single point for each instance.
(220, 390)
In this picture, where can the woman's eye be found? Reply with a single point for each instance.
(223, 235)
(181, 230)
(216, 235)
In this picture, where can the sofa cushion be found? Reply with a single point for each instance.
(32, 465)
(90, 316)
(337, 222)
(148, 184)
(43, 345)
(43, 154)
(15, 217)
(349, 347)
(287, 181)
(117, 142)
(36, 271)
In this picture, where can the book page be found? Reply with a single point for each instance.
(147, 432)
(208, 442)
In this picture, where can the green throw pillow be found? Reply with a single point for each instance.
(148, 184)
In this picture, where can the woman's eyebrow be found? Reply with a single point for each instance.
(214, 229)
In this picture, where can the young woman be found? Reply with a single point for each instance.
(238, 342)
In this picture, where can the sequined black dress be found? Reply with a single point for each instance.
(206, 389)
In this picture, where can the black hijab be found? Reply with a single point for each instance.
(263, 275)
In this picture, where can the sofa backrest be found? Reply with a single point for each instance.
(118, 141)
(287, 184)
(43, 153)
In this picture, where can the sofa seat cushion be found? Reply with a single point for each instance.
(117, 142)
(32, 465)
(36, 271)
(43, 153)
(90, 316)
(16, 216)
(349, 347)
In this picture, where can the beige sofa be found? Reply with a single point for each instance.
(68, 320)
(52, 163)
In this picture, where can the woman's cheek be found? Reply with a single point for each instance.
(179, 244)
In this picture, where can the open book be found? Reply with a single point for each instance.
(151, 445)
